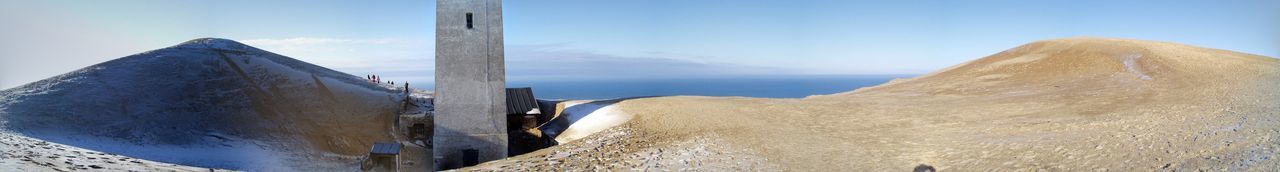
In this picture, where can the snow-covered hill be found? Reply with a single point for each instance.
(210, 103)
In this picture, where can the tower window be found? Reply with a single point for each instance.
(469, 21)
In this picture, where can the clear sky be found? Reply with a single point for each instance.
(620, 39)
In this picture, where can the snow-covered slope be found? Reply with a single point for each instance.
(18, 153)
(209, 103)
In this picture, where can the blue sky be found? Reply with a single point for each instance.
(620, 39)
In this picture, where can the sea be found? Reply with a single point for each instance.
(763, 87)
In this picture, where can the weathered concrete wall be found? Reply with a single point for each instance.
(470, 83)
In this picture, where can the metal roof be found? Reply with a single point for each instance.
(520, 100)
(385, 148)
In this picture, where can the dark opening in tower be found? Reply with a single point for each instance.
(469, 21)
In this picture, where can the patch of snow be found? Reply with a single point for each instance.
(236, 154)
(21, 153)
(1131, 65)
(584, 118)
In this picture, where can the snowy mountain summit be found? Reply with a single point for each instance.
(207, 102)
(216, 43)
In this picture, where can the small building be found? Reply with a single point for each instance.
(521, 105)
(417, 128)
(384, 156)
(524, 114)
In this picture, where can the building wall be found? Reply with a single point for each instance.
(470, 83)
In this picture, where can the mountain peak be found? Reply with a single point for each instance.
(179, 97)
(215, 43)
(210, 41)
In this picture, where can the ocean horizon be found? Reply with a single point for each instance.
(762, 87)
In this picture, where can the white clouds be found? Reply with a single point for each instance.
(393, 58)
(413, 60)
(554, 62)
(309, 41)
(346, 48)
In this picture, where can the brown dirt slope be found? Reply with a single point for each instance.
(1062, 105)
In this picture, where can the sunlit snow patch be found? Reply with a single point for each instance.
(582, 118)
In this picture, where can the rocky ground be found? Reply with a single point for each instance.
(622, 149)
(1079, 104)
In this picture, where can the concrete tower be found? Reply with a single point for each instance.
(470, 97)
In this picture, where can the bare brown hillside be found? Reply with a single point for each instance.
(1062, 105)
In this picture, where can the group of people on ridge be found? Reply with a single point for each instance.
(407, 101)
(375, 79)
